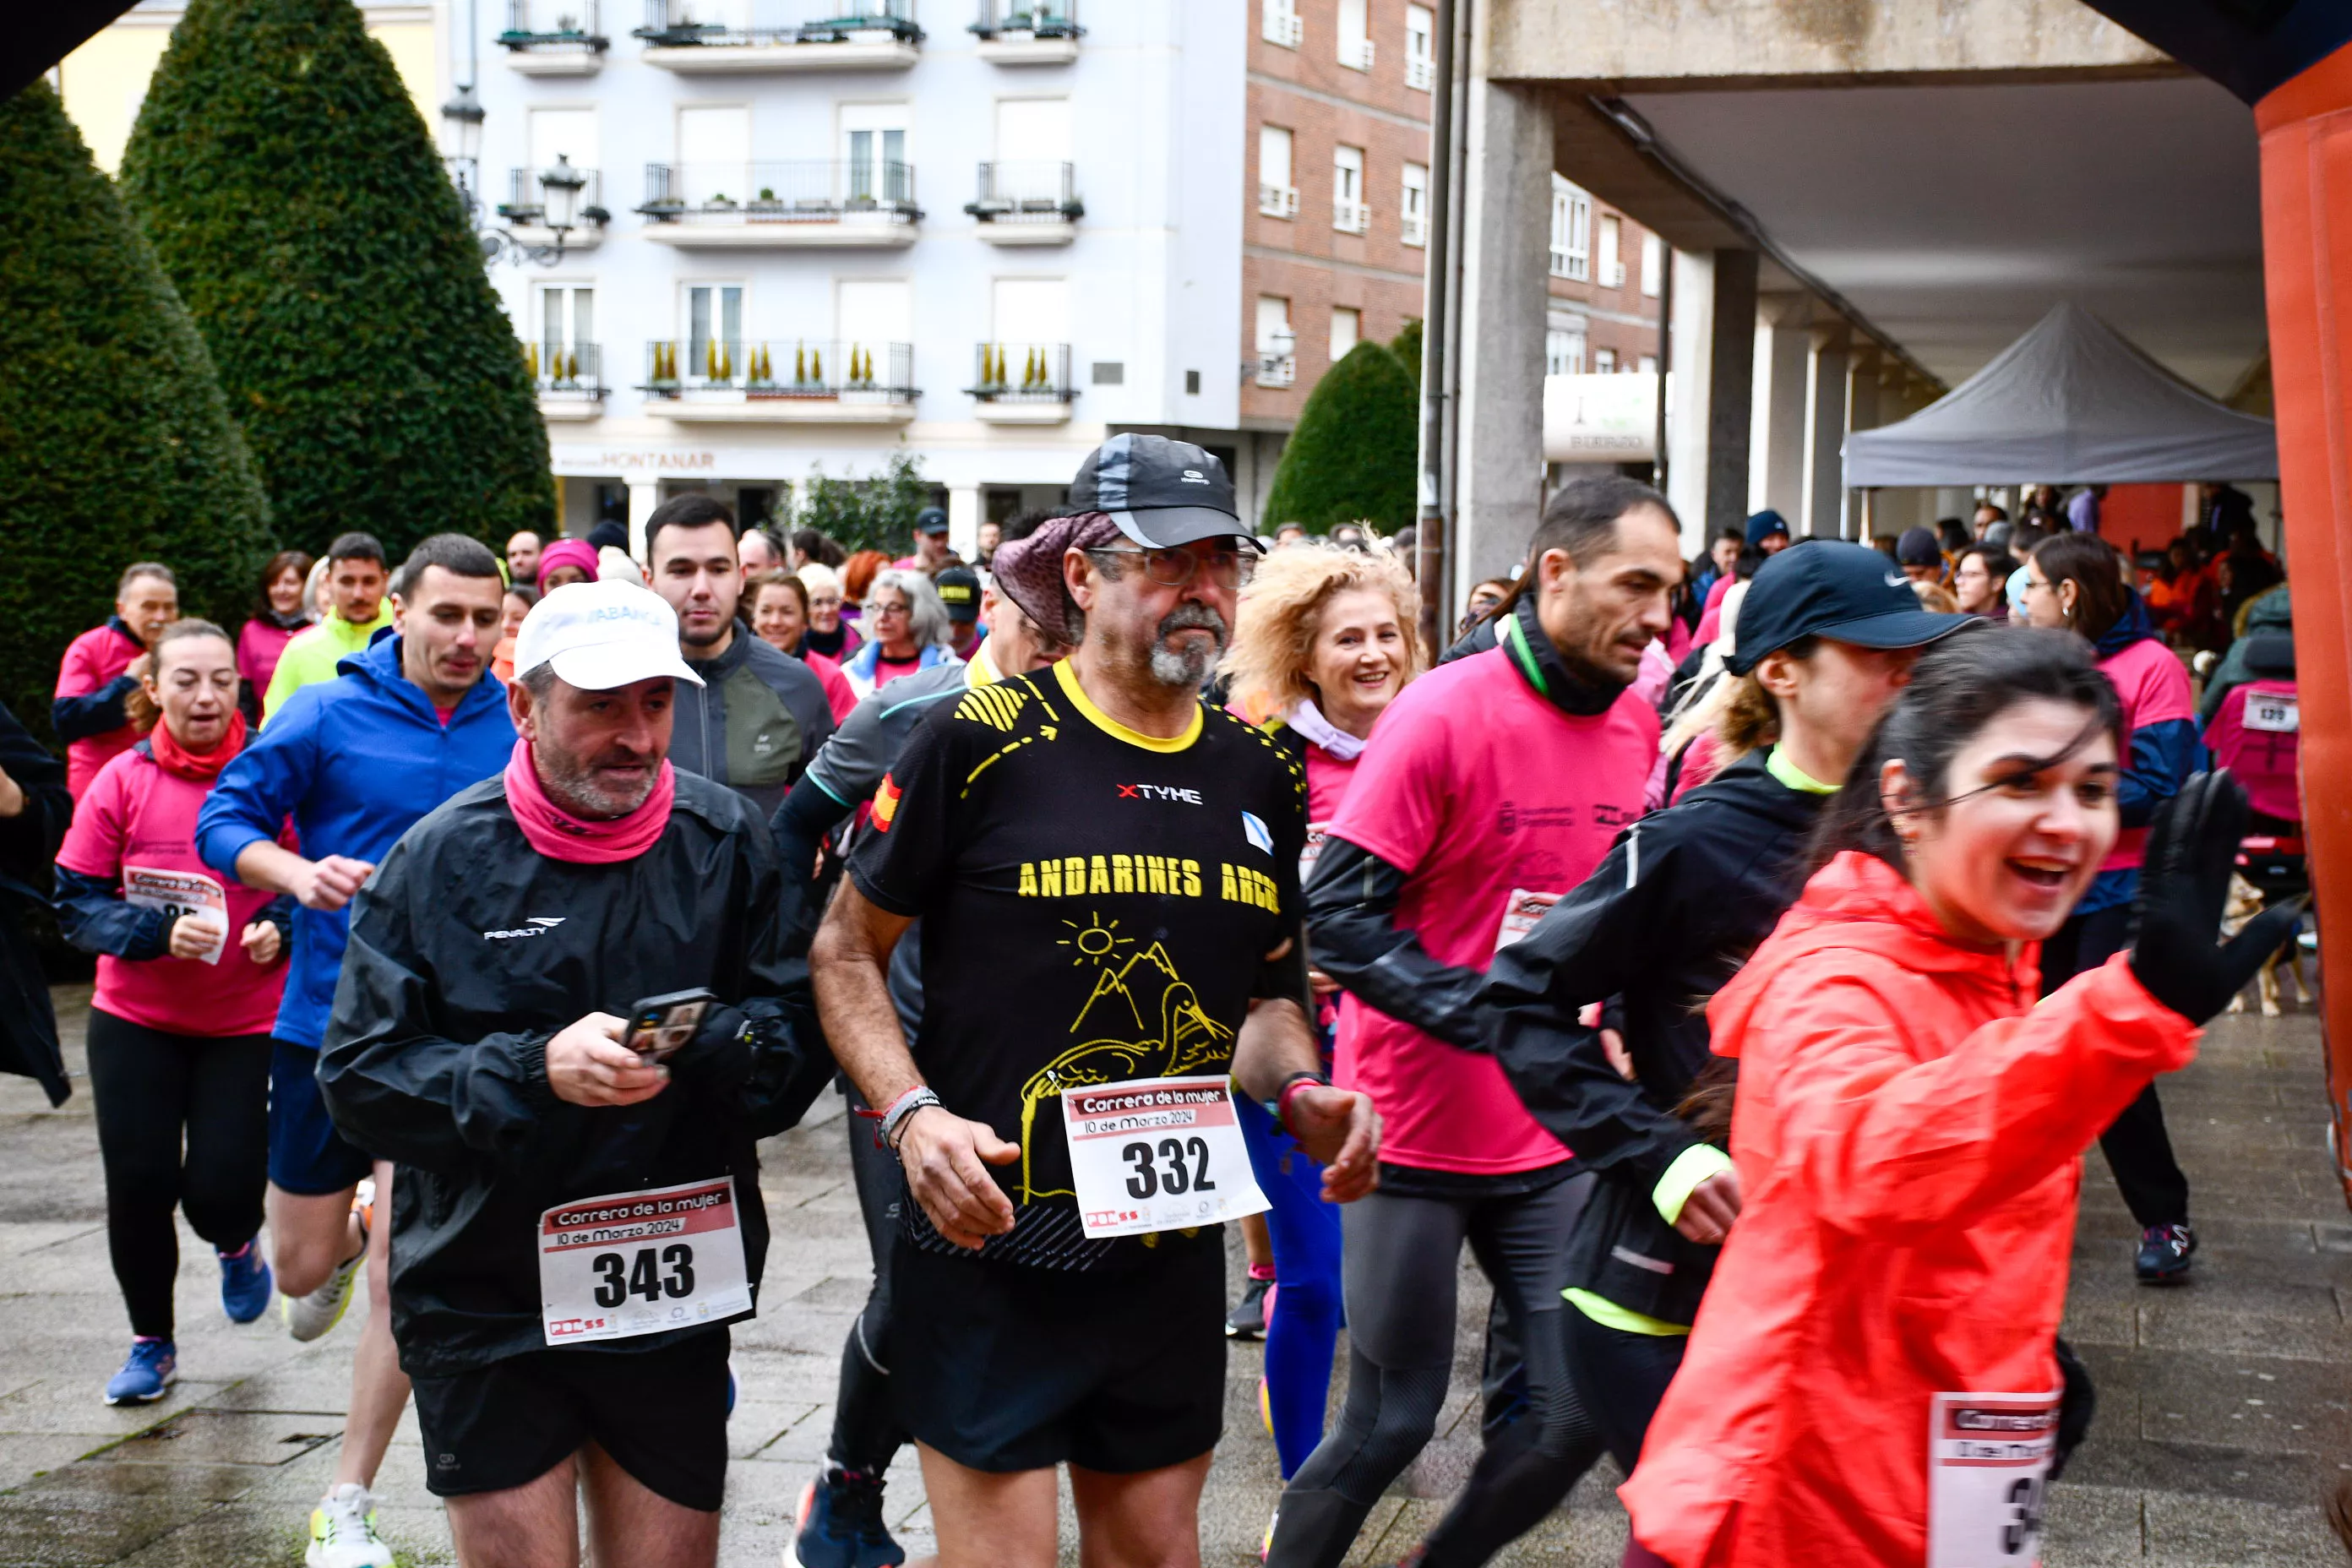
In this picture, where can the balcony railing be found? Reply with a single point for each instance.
(800, 191)
(674, 24)
(1279, 200)
(1420, 72)
(1027, 193)
(1350, 218)
(1038, 18)
(526, 200)
(566, 370)
(1022, 373)
(1356, 54)
(1281, 24)
(799, 368)
(555, 27)
(1413, 227)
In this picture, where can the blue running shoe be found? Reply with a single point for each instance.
(839, 1524)
(151, 1369)
(246, 1283)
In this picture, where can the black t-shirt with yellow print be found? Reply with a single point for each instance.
(1097, 905)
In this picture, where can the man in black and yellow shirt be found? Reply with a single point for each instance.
(1106, 871)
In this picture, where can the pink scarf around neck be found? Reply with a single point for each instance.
(560, 836)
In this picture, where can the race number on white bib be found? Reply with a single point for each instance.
(2274, 713)
(637, 1263)
(1521, 910)
(1987, 1456)
(179, 894)
(1158, 1154)
(1315, 833)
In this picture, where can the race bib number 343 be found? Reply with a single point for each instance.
(1158, 1154)
(1987, 1456)
(637, 1263)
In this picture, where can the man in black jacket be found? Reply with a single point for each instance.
(575, 1223)
(35, 811)
(1827, 637)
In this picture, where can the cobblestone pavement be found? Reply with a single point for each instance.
(2225, 1407)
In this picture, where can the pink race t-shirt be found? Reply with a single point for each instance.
(135, 816)
(2154, 686)
(92, 661)
(1496, 802)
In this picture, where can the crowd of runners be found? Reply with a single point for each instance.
(1736, 956)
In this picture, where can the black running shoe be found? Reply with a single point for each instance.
(2164, 1252)
(1247, 1320)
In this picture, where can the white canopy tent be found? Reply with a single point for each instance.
(2071, 402)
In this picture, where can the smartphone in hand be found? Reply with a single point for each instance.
(661, 1025)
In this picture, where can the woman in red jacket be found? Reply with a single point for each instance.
(1871, 1378)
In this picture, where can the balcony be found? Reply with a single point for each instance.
(1276, 370)
(803, 381)
(1282, 24)
(878, 35)
(1028, 32)
(817, 205)
(1023, 384)
(1413, 228)
(1420, 73)
(1356, 54)
(554, 37)
(1350, 218)
(525, 209)
(569, 379)
(1027, 203)
(1277, 201)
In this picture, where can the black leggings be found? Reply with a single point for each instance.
(1621, 1378)
(866, 1433)
(183, 1122)
(2137, 1147)
(1398, 1279)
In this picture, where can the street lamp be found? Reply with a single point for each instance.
(560, 184)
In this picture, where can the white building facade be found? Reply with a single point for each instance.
(986, 233)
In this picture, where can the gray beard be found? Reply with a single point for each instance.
(573, 787)
(1191, 668)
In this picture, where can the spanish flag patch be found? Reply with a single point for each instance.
(885, 804)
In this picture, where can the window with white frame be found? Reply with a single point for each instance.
(1648, 365)
(714, 151)
(1347, 329)
(1280, 24)
(1612, 269)
(1571, 231)
(1355, 35)
(1276, 196)
(870, 315)
(874, 152)
(1654, 266)
(1564, 349)
(567, 333)
(1420, 48)
(1604, 361)
(1350, 214)
(1277, 362)
(714, 332)
(1412, 204)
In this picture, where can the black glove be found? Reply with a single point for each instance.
(2184, 888)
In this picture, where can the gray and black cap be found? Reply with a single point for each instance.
(1159, 492)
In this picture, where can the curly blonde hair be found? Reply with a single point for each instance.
(1278, 614)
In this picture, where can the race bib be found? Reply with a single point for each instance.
(637, 1263)
(1315, 833)
(1521, 910)
(1987, 1456)
(179, 894)
(2272, 713)
(1158, 1154)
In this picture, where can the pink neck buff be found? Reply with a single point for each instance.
(560, 836)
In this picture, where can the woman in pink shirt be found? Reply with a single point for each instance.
(261, 639)
(1323, 638)
(188, 983)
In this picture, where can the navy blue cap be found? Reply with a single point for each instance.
(1827, 588)
(1159, 492)
(1763, 525)
(1918, 547)
(931, 519)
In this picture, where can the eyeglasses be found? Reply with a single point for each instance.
(1174, 568)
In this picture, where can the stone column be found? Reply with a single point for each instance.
(1731, 389)
(1826, 434)
(1507, 211)
(645, 494)
(1776, 457)
(964, 521)
(1692, 341)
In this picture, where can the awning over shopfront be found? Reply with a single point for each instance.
(2071, 402)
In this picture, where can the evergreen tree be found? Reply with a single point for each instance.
(1351, 457)
(875, 513)
(296, 200)
(115, 442)
(1406, 346)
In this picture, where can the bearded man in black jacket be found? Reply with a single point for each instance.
(575, 1223)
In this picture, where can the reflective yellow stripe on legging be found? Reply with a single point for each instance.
(1609, 1315)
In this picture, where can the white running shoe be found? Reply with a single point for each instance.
(342, 1532)
(311, 1317)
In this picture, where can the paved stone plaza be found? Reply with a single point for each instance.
(2225, 1408)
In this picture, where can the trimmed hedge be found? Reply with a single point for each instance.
(1351, 457)
(115, 442)
(295, 198)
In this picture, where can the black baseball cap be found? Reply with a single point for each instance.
(959, 590)
(1158, 493)
(931, 519)
(1828, 588)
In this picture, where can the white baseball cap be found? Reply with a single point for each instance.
(600, 636)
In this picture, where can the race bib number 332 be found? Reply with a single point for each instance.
(638, 1263)
(1158, 1154)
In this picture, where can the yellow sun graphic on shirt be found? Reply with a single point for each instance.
(1094, 941)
